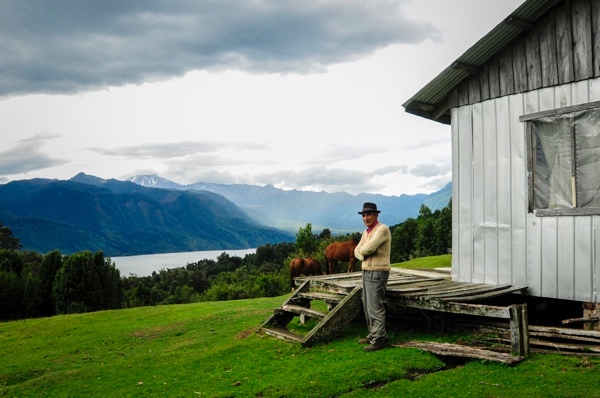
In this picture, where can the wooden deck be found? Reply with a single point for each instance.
(431, 290)
(434, 290)
(422, 285)
(419, 289)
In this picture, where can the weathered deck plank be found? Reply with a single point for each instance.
(453, 307)
(415, 283)
(450, 289)
(283, 334)
(462, 351)
(296, 309)
(327, 297)
(492, 293)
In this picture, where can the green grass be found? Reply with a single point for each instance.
(442, 261)
(211, 350)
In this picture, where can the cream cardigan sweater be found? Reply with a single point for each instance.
(374, 249)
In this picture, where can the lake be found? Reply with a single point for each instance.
(145, 264)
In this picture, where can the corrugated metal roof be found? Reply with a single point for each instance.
(430, 102)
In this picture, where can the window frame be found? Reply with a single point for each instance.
(577, 211)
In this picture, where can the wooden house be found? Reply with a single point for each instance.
(523, 105)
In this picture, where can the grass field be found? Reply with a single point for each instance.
(212, 350)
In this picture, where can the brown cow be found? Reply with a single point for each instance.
(341, 251)
(304, 266)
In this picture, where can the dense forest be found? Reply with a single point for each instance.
(36, 285)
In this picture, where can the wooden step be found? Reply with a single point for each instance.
(334, 287)
(329, 298)
(330, 325)
(297, 309)
(283, 334)
(334, 323)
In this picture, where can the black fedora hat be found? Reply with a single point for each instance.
(369, 207)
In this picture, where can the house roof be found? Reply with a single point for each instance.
(431, 101)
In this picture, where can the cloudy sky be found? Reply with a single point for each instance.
(298, 94)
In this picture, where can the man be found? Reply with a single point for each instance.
(374, 252)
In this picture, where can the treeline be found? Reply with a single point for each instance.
(260, 274)
(32, 285)
(430, 234)
(36, 285)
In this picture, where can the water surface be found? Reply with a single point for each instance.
(145, 264)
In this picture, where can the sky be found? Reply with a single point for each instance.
(297, 94)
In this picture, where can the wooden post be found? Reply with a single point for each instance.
(591, 312)
(519, 330)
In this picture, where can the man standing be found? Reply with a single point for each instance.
(374, 252)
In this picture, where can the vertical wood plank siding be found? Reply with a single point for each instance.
(517, 206)
(582, 40)
(495, 237)
(548, 52)
(506, 73)
(564, 42)
(595, 34)
(563, 47)
(533, 60)
(519, 64)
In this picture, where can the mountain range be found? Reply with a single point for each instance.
(148, 214)
(122, 218)
(293, 209)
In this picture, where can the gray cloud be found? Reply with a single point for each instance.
(402, 169)
(430, 170)
(319, 178)
(27, 155)
(66, 46)
(202, 174)
(205, 168)
(436, 184)
(343, 151)
(431, 142)
(172, 150)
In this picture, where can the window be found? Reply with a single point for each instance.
(564, 160)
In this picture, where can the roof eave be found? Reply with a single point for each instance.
(431, 101)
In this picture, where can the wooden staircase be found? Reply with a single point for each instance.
(343, 308)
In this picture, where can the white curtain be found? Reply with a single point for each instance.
(552, 163)
(557, 143)
(587, 159)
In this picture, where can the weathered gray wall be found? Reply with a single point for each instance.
(495, 239)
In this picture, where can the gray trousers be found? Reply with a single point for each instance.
(373, 295)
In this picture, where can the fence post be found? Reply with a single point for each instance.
(519, 330)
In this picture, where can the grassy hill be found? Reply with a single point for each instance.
(211, 350)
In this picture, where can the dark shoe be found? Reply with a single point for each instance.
(364, 341)
(378, 345)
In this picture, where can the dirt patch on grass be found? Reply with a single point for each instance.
(245, 333)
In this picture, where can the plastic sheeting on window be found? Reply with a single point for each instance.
(566, 160)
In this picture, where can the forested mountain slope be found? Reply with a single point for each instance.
(123, 218)
(291, 210)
